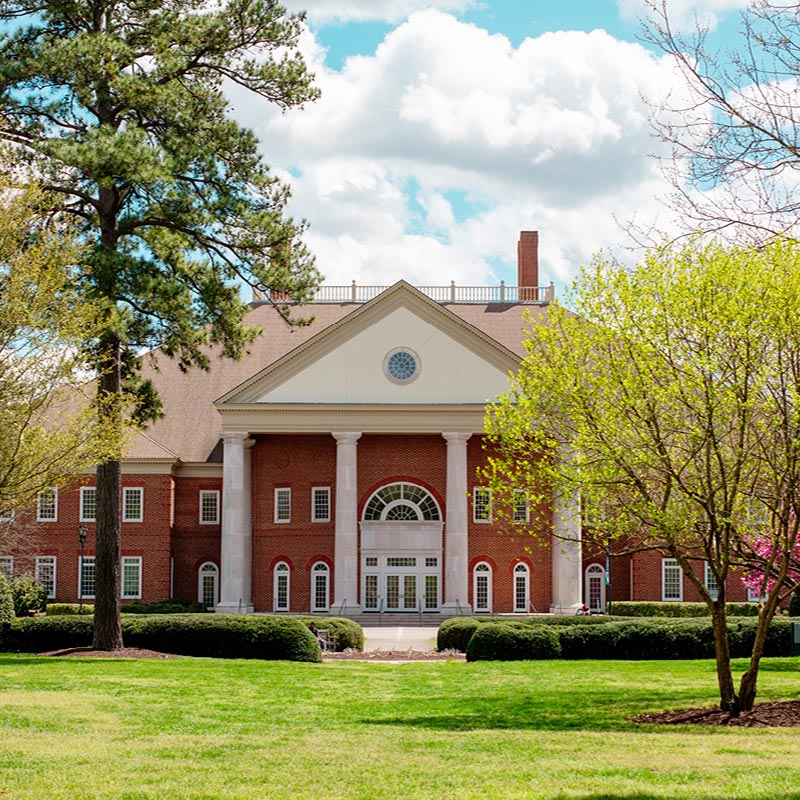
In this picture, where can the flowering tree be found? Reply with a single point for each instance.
(670, 402)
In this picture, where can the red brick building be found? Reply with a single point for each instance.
(334, 469)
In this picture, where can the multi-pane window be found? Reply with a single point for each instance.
(47, 505)
(521, 588)
(481, 504)
(402, 502)
(208, 584)
(671, 580)
(209, 507)
(45, 573)
(86, 584)
(131, 577)
(320, 504)
(7, 566)
(520, 505)
(132, 504)
(711, 581)
(320, 586)
(281, 587)
(482, 587)
(283, 505)
(88, 504)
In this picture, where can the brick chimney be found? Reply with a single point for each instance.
(528, 259)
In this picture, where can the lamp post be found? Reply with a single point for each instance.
(82, 531)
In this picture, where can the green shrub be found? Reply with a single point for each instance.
(455, 633)
(29, 595)
(62, 609)
(223, 636)
(161, 607)
(6, 599)
(345, 634)
(794, 605)
(502, 641)
(625, 608)
(43, 634)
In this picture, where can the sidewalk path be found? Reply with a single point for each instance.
(397, 638)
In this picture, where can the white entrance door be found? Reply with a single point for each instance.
(401, 592)
(595, 588)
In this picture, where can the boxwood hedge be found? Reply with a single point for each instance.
(345, 634)
(608, 638)
(638, 608)
(212, 635)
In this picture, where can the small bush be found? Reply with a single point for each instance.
(455, 633)
(63, 609)
(500, 641)
(6, 599)
(43, 634)
(346, 634)
(29, 595)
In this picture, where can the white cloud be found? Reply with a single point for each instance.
(685, 15)
(326, 11)
(426, 159)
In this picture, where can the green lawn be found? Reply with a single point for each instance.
(202, 728)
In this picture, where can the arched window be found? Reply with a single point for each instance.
(208, 584)
(482, 587)
(595, 588)
(521, 588)
(280, 588)
(320, 586)
(402, 502)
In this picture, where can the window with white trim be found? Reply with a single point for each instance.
(281, 586)
(710, 580)
(7, 515)
(320, 586)
(671, 580)
(86, 578)
(482, 587)
(481, 504)
(208, 584)
(752, 595)
(7, 566)
(522, 585)
(45, 573)
(132, 504)
(131, 577)
(88, 511)
(321, 504)
(209, 507)
(47, 505)
(283, 505)
(521, 512)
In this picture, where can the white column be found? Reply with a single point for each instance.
(345, 562)
(235, 595)
(567, 556)
(456, 545)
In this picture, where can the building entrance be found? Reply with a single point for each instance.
(401, 583)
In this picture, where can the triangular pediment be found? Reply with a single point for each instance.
(348, 361)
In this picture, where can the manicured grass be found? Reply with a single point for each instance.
(194, 729)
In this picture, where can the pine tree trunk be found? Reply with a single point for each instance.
(107, 620)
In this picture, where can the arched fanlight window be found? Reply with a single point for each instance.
(404, 502)
(208, 584)
(482, 587)
(320, 586)
(521, 588)
(281, 574)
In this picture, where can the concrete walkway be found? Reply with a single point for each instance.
(396, 638)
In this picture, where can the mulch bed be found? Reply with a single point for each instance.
(125, 652)
(784, 714)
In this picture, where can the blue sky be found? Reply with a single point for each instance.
(447, 126)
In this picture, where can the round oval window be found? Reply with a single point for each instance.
(402, 365)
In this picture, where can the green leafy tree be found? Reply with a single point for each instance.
(120, 108)
(50, 431)
(670, 402)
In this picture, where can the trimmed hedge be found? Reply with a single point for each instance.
(629, 608)
(629, 639)
(346, 634)
(211, 635)
(501, 641)
(68, 609)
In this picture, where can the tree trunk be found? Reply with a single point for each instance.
(728, 700)
(107, 620)
(747, 685)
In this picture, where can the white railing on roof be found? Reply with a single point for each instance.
(471, 295)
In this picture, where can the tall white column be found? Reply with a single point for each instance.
(456, 544)
(567, 558)
(235, 595)
(345, 562)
